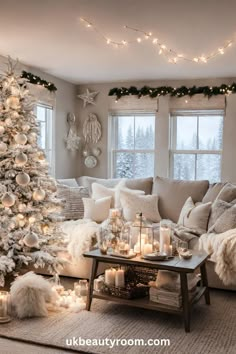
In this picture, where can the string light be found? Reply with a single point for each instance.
(171, 55)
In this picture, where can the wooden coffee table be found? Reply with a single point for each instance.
(183, 267)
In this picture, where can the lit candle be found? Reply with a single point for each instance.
(147, 248)
(137, 248)
(110, 276)
(3, 304)
(120, 278)
(165, 233)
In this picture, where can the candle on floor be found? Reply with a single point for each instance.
(120, 278)
(110, 276)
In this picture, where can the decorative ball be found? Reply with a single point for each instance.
(2, 130)
(10, 174)
(32, 138)
(8, 122)
(22, 179)
(3, 189)
(13, 102)
(31, 240)
(3, 147)
(15, 114)
(25, 127)
(41, 155)
(31, 219)
(21, 159)
(39, 195)
(96, 151)
(20, 139)
(22, 207)
(8, 200)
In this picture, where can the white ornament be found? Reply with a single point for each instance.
(3, 147)
(21, 159)
(2, 130)
(22, 207)
(88, 97)
(92, 129)
(20, 139)
(96, 151)
(8, 200)
(32, 137)
(31, 240)
(41, 156)
(15, 114)
(90, 161)
(10, 174)
(8, 122)
(25, 127)
(85, 153)
(22, 179)
(39, 195)
(13, 102)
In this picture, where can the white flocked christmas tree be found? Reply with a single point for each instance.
(29, 210)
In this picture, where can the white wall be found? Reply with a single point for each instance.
(102, 108)
(66, 163)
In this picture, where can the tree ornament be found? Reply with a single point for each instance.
(15, 114)
(3, 189)
(8, 200)
(3, 147)
(8, 122)
(41, 155)
(31, 240)
(31, 219)
(13, 102)
(21, 159)
(92, 129)
(22, 179)
(32, 138)
(25, 127)
(20, 139)
(22, 207)
(10, 174)
(2, 130)
(39, 195)
(15, 91)
(88, 97)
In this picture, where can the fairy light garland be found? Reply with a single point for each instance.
(181, 91)
(171, 55)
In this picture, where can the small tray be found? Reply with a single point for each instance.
(128, 256)
(157, 257)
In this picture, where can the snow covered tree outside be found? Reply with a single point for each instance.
(29, 210)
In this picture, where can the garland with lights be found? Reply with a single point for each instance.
(181, 91)
(36, 80)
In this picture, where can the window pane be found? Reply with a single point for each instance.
(42, 135)
(144, 165)
(144, 132)
(125, 132)
(209, 167)
(210, 132)
(41, 114)
(124, 165)
(184, 166)
(186, 133)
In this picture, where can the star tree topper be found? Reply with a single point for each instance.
(88, 97)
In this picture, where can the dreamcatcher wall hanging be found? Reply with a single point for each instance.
(92, 132)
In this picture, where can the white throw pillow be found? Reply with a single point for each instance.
(97, 210)
(133, 203)
(100, 191)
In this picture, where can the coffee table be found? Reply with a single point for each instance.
(183, 267)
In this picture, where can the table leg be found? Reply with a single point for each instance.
(185, 301)
(92, 277)
(205, 283)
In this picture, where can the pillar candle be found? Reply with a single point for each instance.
(110, 276)
(165, 233)
(147, 248)
(120, 278)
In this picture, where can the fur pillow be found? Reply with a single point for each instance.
(29, 295)
(97, 210)
(225, 221)
(217, 209)
(133, 203)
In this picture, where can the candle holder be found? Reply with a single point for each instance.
(142, 235)
(4, 307)
(165, 236)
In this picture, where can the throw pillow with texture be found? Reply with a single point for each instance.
(225, 222)
(195, 216)
(97, 210)
(217, 209)
(227, 193)
(73, 207)
(134, 203)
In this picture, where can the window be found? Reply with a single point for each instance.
(196, 145)
(45, 119)
(132, 143)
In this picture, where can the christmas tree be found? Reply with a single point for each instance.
(29, 210)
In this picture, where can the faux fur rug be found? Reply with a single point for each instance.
(213, 328)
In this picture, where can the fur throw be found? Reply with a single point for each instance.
(29, 295)
(222, 248)
(80, 235)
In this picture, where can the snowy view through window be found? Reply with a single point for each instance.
(133, 145)
(196, 147)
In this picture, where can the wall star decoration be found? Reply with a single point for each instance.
(88, 97)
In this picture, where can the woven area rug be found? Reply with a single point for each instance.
(213, 328)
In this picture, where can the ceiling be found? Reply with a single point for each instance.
(48, 34)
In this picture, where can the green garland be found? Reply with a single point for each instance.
(153, 92)
(36, 80)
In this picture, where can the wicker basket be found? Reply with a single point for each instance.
(129, 292)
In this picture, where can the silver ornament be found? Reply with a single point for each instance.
(32, 138)
(31, 240)
(39, 195)
(8, 200)
(21, 159)
(20, 139)
(22, 179)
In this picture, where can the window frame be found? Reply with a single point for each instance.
(195, 152)
(113, 137)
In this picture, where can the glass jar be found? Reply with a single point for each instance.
(83, 289)
(5, 307)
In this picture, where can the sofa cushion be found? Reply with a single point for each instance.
(218, 208)
(213, 192)
(226, 221)
(97, 210)
(70, 182)
(195, 216)
(172, 195)
(73, 207)
(143, 184)
(227, 193)
(133, 203)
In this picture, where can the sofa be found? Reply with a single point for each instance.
(172, 195)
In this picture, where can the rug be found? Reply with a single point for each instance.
(213, 328)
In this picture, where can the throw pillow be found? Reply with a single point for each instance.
(97, 210)
(133, 203)
(73, 208)
(225, 222)
(195, 216)
(227, 193)
(217, 209)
